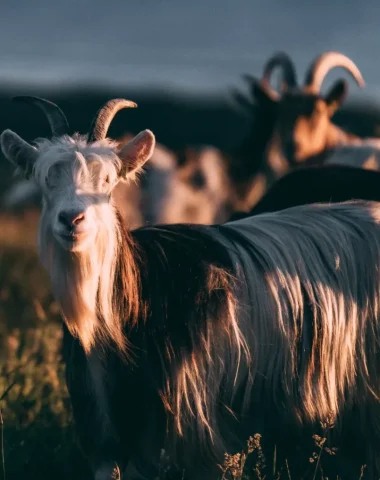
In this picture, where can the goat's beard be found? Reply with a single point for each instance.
(83, 283)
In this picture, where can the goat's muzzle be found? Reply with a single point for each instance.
(72, 230)
(71, 219)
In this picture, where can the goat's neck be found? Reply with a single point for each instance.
(249, 155)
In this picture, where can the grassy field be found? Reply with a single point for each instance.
(37, 438)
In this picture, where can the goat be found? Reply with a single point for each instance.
(199, 189)
(251, 175)
(192, 337)
(303, 130)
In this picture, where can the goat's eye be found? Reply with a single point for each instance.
(106, 181)
(52, 181)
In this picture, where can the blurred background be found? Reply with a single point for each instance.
(178, 59)
(200, 46)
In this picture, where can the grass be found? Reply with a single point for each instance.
(37, 437)
(250, 463)
(36, 434)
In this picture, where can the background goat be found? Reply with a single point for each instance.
(183, 329)
(304, 131)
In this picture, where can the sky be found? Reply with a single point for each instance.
(195, 44)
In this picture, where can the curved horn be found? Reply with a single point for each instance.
(102, 120)
(283, 60)
(326, 62)
(56, 118)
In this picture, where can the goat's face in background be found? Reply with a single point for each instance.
(77, 179)
(198, 190)
(303, 121)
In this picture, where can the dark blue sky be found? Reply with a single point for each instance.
(199, 44)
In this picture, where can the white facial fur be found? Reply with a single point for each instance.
(76, 184)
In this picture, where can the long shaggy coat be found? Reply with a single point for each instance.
(267, 324)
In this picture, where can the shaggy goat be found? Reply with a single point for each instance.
(303, 130)
(193, 337)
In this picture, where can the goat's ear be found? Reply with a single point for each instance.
(336, 96)
(136, 152)
(242, 100)
(19, 152)
(263, 95)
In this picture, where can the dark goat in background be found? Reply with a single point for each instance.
(248, 169)
(304, 131)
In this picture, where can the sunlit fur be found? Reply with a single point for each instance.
(274, 316)
(318, 276)
(287, 302)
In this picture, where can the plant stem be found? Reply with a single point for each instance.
(2, 444)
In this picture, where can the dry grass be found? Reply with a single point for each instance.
(250, 464)
(36, 436)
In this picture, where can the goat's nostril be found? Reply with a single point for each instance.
(78, 219)
(70, 218)
(64, 219)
